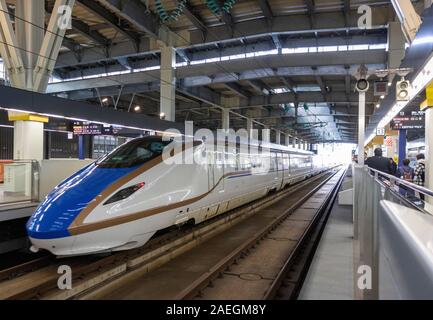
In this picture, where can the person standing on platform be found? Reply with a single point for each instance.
(419, 172)
(378, 162)
(405, 172)
(393, 166)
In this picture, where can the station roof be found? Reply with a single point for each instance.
(271, 55)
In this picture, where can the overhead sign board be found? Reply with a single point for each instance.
(408, 120)
(381, 88)
(80, 128)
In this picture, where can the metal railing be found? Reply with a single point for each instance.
(371, 190)
(411, 191)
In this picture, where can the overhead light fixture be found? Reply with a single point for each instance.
(389, 84)
(382, 97)
(137, 108)
(104, 99)
(162, 115)
(378, 105)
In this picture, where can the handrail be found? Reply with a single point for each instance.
(399, 181)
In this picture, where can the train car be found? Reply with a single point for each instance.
(120, 201)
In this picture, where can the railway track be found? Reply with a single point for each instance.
(38, 278)
(250, 271)
(202, 272)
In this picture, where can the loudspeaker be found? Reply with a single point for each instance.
(403, 90)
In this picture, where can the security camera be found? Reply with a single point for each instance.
(403, 90)
(362, 85)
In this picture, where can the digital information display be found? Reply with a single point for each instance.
(408, 120)
(80, 128)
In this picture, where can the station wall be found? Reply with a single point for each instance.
(54, 171)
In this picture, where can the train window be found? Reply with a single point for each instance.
(133, 153)
(245, 161)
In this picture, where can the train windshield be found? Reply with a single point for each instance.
(133, 153)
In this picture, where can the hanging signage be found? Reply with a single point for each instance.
(380, 131)
(408, 120)
(80, 128)
(87, 128)
(381, 88)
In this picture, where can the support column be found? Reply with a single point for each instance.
(225, 117)
(361, 128)
(28, 140)
(81, 155)
(397, 42)
(299, 144)
(168, 83)
(250, 129)
(427, 106)
(29, 29)
(294, 142)
(277, 137)
(401, 146)
(288, 140)
(29, 52)
(429, 148)
(266, 134)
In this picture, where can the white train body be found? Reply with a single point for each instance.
(130, 204)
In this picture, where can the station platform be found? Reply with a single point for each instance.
(17, 210)
(330, 276)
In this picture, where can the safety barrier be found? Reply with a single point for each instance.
(393, 230)
(20, 182)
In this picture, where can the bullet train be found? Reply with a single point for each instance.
(120, 201)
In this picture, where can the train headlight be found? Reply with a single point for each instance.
(124, 193)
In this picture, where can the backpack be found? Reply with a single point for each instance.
(407, 175)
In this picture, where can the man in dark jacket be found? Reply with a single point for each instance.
(378, 162)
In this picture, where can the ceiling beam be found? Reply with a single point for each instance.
(228, 20)
(236, 88)
(259, 87)
(311, 11)
(93, 35)
(303, 38)
(114, 22)
(266, 9)
(195, 19)
(346, 10)
(136, 13)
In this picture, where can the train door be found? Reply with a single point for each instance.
(280, 162)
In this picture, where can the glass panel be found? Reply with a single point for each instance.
(134, 153)
(18, 181)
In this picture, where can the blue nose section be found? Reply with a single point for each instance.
(62, 205)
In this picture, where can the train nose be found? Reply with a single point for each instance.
(50, 220)
(59, 209)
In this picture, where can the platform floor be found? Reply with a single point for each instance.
(331, 272)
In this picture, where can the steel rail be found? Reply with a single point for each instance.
(202, 282)
(310, 238)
